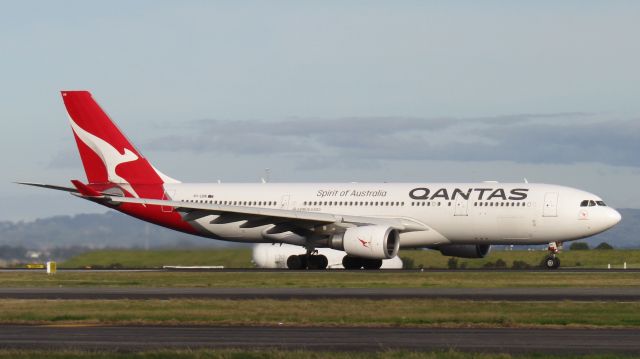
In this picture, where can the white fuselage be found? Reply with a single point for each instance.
(465, 213)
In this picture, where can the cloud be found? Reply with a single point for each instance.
(560, 138)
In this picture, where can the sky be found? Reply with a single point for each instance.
(335, 91)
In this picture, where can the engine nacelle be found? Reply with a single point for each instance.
(373, 242)
(465, 250)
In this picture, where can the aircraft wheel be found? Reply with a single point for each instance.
(296, 262)
(324, 262)
(372, 264)
(317, 262)
(351, 263)
(552, 262)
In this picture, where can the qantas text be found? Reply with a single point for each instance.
(487, 194)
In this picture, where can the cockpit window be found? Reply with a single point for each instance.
(592, 203)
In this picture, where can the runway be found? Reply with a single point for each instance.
(501, 294)
(368, 339)
(329, 271)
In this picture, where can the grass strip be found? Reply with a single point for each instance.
(283, 354)
(241, 258)
(324, 279)
(338, 312)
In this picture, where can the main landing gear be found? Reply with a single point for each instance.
(552, 261)
(351, 263)
(307, 261)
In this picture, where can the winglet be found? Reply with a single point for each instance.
(85, 190)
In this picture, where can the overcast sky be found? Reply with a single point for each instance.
(327, 91)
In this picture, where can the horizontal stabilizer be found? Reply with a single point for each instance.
(85, 190)
(49, 186)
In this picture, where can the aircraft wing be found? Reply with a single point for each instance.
(256, 217)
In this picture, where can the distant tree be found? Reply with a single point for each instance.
(500, 263)
(407, 263)
(579, 246)
(520, 265)
(604, 245)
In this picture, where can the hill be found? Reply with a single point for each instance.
(109, 230)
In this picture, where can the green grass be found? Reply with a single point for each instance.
(230, 258)
(283, 354)
(322, 279)
(569, 259)
(334, 312)
(241, 258)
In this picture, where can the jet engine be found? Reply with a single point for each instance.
(465, 250)
(372, 242)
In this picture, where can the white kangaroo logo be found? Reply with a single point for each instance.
(108, 154)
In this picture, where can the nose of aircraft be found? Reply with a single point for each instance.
(613, 217)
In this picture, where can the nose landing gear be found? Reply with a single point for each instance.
(552, 261)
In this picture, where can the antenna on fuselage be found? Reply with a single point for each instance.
(267, 175)
(526, 180)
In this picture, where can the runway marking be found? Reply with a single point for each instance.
(71, 325)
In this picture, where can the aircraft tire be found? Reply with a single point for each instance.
(324, 262)
(372, 264)
(296, 262)
(351, 263)
(317, 262)
(552, 262)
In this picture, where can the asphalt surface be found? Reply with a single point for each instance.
(429, 270)
(281, 270)
(505, 294)
(368, 339)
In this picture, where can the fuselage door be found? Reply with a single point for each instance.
(550, 208)
(284, 202)
(461, 207)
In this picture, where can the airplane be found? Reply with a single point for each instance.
(369, 222)
(270, 255)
